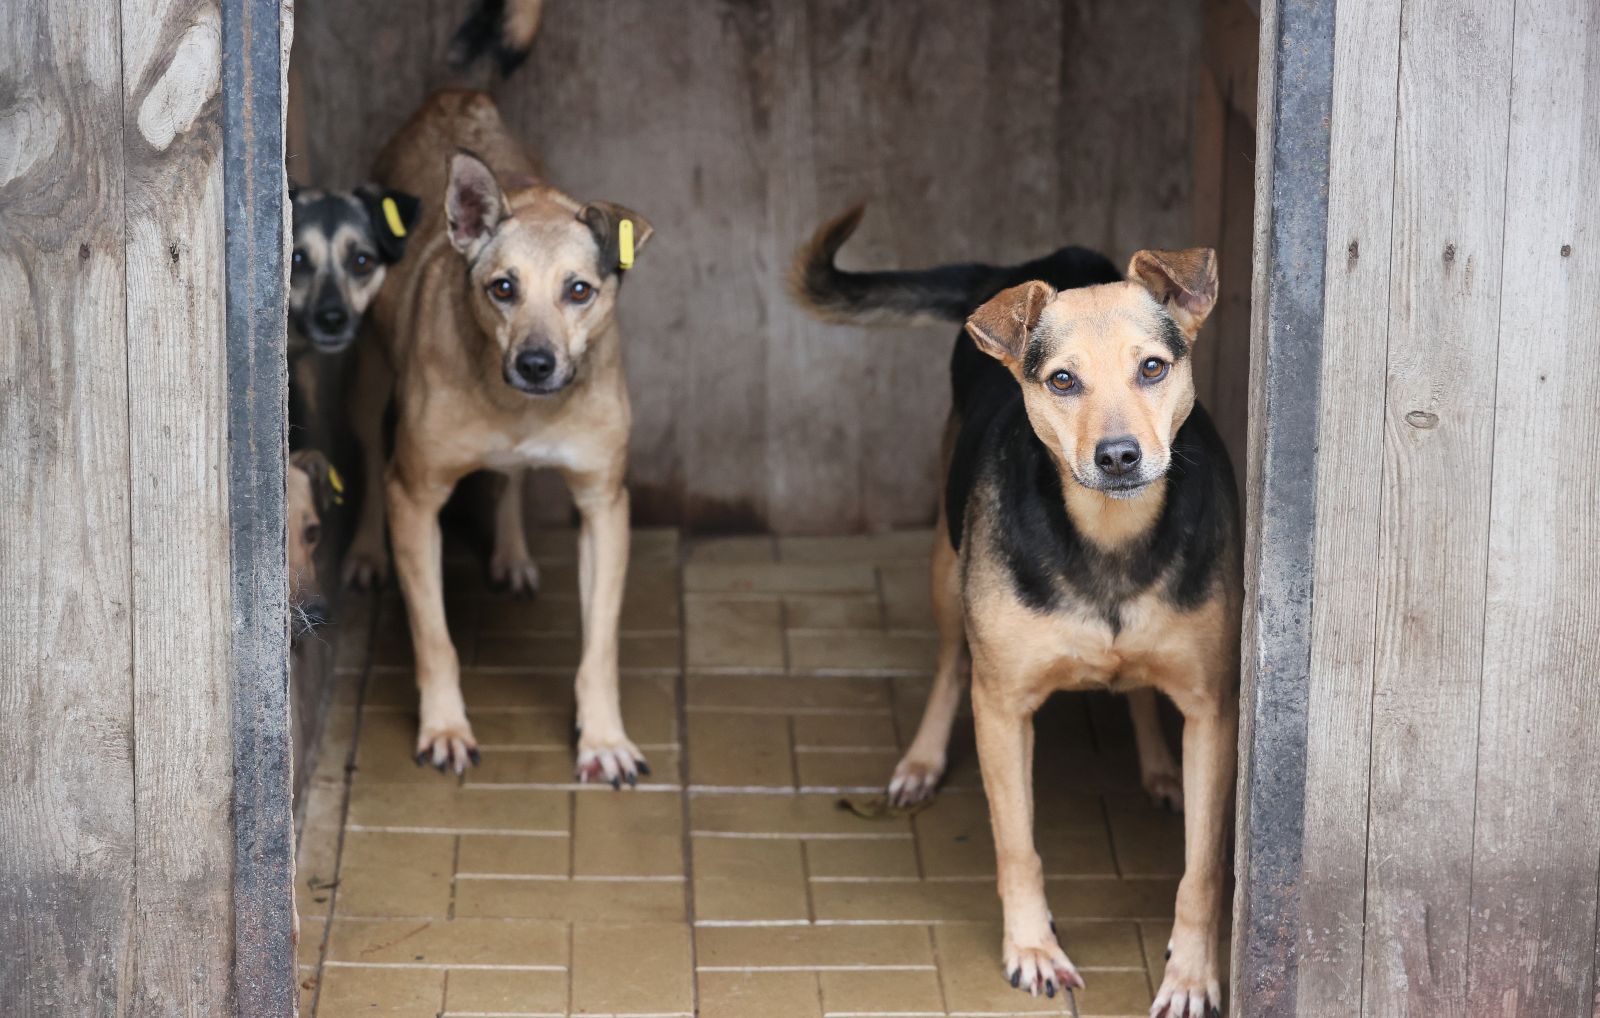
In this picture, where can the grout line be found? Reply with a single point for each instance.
(815, 968)
(578, 879)
(572, 958)
(776, 923)
(444, 966)
(808, 835)
(379, 829)
(938, 964)
(685, 821)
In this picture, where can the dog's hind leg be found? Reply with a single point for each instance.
(366, 563)
(511, 567)
(1157, 769)
(917, 775)
(604, 752)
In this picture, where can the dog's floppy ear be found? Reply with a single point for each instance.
(327, 487)
(618, 243)
(1001, 327)
(1184, 282)
(393, 214)
(473, 203)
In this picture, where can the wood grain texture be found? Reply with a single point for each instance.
(1531, 950)
(1444, 319)
(974, 131)
(67, 826)
(177, 433)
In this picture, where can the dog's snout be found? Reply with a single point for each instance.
(535, 366)
(331, 319)
(1117, 456)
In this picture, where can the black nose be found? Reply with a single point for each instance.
(535, 366)
(1117, 456)
(331, 319)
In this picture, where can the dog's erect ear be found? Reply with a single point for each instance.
(473, 203)
(327, 487)
(393, 215)
(618, 244)
(1185, 282)
(1001, 327)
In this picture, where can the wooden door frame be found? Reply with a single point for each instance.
(255, 190)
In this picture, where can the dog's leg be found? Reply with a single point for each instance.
(444, 738)
(1034, 960)
(1157, 770)
(917, 775)
(511, 567)
(366, 563)
(604, 752)
(1192, 984)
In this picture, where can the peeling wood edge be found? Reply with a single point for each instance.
(1295, 98)
(254, 199)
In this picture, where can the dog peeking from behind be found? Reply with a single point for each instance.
(344, 242)
(1088, 538)
(503, 27)
(312, 487)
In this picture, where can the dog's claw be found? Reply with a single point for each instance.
(915, 780)
(517, 575)
(448, 747)
(612, 762)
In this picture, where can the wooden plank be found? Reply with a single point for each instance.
(1444, 314)
(177, 437)
(1356, 317)
(67, 827)
(1532, 942)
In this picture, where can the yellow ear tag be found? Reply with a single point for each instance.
(337, 484)
(391, 212)
(625, 244)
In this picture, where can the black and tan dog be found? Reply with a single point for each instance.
(1088, 540)
(497, 337)
(312, 486)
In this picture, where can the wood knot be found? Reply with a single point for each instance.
(1422, 420)
(1566, 250)
(1449, 253)
(83, 252)
(173, 252)
(1354, 250)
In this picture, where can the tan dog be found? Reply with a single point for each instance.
(311, 488)
(1089, 540)
(498, 337)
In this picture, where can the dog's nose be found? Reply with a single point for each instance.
(1117, 456)
(314, 613)
(331, 319)
(535, 366)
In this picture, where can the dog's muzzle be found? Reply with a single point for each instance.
(537, 370)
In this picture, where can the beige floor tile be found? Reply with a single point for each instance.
(448, 942)
(779, 578)
(383, 874)
(620, 901)
(740, 750)
(308, 992)
(970, 969)
(739, 548)
(870, 769)
(503, 854)
(906, 601)
(338, 732)
(744, 634)
(739, 879)
(884, 993)
(797, 815)
(965, 901)
(386, 753)
(511, 729)
(317, 855)
(821, 650)
(1099, 945)
(891, 546)
(480, 991)
(441, 807)
(561, 653)
(308, 951)
(956, 839)
(767, 994)
(631, 969)
(515, 616)
(832, 611)
(648, 581)
(634, 835)
(776, 947)
(503, 766)
(765, 693)
(851, 858)
(1148, 841)
(858, 731)
(393, 993)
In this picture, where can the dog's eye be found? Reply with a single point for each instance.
(502, 289)
(579, 292)
(1063, 381)
(1153, 369)
(313, 533)
(297, 259)
(362, 263)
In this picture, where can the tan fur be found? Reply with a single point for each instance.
(449, 348)
(307, 494)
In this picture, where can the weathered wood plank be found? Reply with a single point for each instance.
(1444, 314)
(67, 826)
(1532, 942)
(177, 436)
(1350, 423)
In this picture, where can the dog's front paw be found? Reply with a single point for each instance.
(1039, 965)
(610, 759)
(1191, 988)
(447, 743)
(366, 567)
(514, 574)
(916, 778)
(1165, 789)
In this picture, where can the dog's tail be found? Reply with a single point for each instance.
(948, 293)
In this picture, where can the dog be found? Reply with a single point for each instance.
(503, 27)
(312, 486)
(1088, 538)
(498, 339)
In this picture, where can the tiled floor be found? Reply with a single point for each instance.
(765, 679)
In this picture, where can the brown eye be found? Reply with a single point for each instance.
(1063, 381)
(313, 533)
(579, 292)
(1153, 369)
(298, 259)
(362, 263)
(502, 289)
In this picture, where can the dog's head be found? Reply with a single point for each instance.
(1105, 371)
(343, 242)
(543, 277)
(313, 486)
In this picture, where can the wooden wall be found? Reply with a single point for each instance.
(990, 131)
(117, 613)
(1448, 847)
